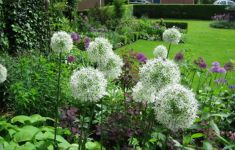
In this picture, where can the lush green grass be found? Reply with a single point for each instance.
(202, 40)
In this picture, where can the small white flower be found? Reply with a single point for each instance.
(176, 107)
(158, 73)
(3, 73)
(61, 42)
(112, 68)
(99, 50)
(141, 93)
(160, 51)
(172, 36)
(88, 84)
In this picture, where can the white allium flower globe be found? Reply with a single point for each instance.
(160, 51)
(61, 42)
(88, 84)
(172, 36)
(158, 73)
(3, 73)
(99, 50)
(140, 93)
(176, 107)
(112, 68)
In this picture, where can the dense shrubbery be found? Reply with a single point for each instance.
(26, 25)
(203, 12)
(105, 101)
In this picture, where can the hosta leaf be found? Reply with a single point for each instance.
(22, 119)
(27, 146)
(26, 133)
(37, 118)
(207, 146)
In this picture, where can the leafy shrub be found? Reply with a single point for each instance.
(223, 24)
(31, 87)
(30, 132)
(26, 25)
(203, 12)
(118, 8)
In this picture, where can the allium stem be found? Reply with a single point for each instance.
(57, 102)
(191, 84)
(101, 124)
(169, 49)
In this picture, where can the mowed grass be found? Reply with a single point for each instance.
(202, 41)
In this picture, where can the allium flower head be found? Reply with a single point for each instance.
(172, 36)
(216, 64)
(87, 41)
(71, 59)
(160, 51)
(112, 68)
(99, 50)
(176, 107)
(158, 73)
(3, 73)
(143, 94)
(75, 37)
(229, 66)
(221, 70)
(88, 84)
(61, 42)
(141, 57)
(179, 57)
(201, 63)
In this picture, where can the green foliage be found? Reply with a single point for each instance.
(203, 12)
(223, 24)
(32, 84)
(118, 8)
(26, 25)
(30, 134)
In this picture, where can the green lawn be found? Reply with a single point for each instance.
(204, 41)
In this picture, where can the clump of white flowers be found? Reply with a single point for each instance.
(140, 93)
(88, 84)
(99, 50)
(172, 36)
(160, 51)
(61, 42)
(176, 107)
(158, 73)
(112, 68)
(3, 73)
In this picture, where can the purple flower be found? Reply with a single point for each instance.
(221, 81)
(201, 63)
(232, 87)
(71, 59)
(229, 66)
(179, 57)
(216, 64)
(141, 57)
(221, 70)
(75, 37)
(87, 42)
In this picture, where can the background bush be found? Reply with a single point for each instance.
(26, 25)
(203, 12)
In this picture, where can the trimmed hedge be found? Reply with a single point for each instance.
(202, 12)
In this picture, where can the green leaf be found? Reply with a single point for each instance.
(26, 133)
(187, 139)
(215, 127)
(93, 146)
(207, 146)
(37, 118)
(22, 119)
(197, 135)
(27, 146)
